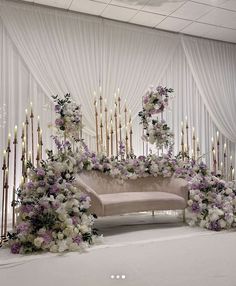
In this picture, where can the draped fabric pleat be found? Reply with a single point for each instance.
(214, 70)
(45, 51)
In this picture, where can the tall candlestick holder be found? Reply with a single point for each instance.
(120, 132)
(26, 134)
(187, 140)
(38, 155)
(111, 139)
(101, 133)
(32, 132)
(96, 120)
(23, 158)
(14, 183)
(107, 133)
(4, 167)
(214, 161)
(41, 143)
(8, 150)
(108, 148)
(194, 145)
(125, 110)
(116, 130)
(126, 142)
(130, 140)
(100, 99)
(6, 186)
(182, 145)
(198, 148)
(119, 110)
(224, 162)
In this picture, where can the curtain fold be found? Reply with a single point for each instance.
(213, 66)
(76, 54)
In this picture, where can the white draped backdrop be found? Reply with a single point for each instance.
(45, 51)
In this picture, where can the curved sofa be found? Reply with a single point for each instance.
(109, 196)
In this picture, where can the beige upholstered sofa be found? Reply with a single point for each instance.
(111, 197)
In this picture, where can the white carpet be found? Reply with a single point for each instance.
(147, 250)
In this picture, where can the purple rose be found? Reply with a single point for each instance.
(47, 237)
(22, 227)
(77, 239)
(27, 208)
(54, 189)
(40, 172)
(75, 220)
(141, 158)
(55, 205)
(59, 121)
(30, 185)
(83, 198)
(57, 108)
(145, 100)
(214, 225)
(15, 248)
(195, 207)
(41, 183)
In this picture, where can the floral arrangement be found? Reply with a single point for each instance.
(212, 201)
(53, 213)
(69, 117)
(157, 130)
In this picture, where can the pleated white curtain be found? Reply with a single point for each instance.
(214, 69)
(76, 54)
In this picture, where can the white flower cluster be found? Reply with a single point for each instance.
(69, 118)
(53, 213)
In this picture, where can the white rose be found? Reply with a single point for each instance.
(50, 173)
(196, 198)
(62, 216)
(84, 228)
(54, 248)
(38, 242)
(222, 223)
(228, 191)
(76, 210)
(60, 235)
(73, 246)
(68, 176)
(202, 223)
(86, 204)
(60, 197)
(76, 231)
(214, 216)
(190, 202)
(62, 246)
(69, 221)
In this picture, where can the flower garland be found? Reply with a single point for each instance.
(157, 130)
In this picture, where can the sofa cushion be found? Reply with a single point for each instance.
(128, 202)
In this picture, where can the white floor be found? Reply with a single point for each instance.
(148, 251)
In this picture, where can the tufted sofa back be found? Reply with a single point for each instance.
(105, 184)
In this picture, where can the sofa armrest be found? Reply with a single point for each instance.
(180, 187)
(96, 203)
